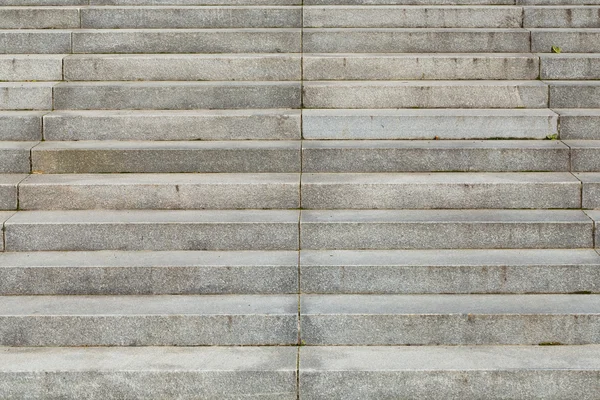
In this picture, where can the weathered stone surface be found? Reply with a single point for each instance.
(449, 319)
(404, 2)
(166, 157)
(192, 2)
(15, 157)
(420, 66)
(447, 229)
(561, 16)
(153, 373)
(451, 373)
(161, 191)
(148, 272)
(411, 17)
(595, 215)
(431, 40)
(570, 66)
(429, 124)
(191, 17)
(4, 216)
(173, 125)
(284, 40)
(26, 95)
(450, 271)
(579, 123)
(590, 191)
(434, 156)
(425, 94)
(153, 230)
(35, 41)
(569, 40)
(438, 191)
(584, 155)
(183, 67)
(574, 94)
(8, 190)
(21, 125)
(175, 95)
(31, 67)
(39, 18)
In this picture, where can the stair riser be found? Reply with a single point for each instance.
(35, 42)
(570, 68)
(561, 17)
(31, 68)
(579, 41)
(576, 95)
(26, 96)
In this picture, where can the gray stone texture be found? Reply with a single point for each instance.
(34, 41)
(569, 40)
(21, 125)
(183, 67)
(562, 16)
(148, 320)
(8, 190)
(584, 155)
(31, 67)
(403, 2)
(173, 125)
(192, 2)
(176, 95)
(449, 271)
(425, 94)
(429, 124)
(26, 95)
(434, 156)
(398, 40)
(411, 17)
(152, 373)
(450, 373)
(162, 191)
(39, 18)
(435, 191)
(420, 66)
(449, 319)
(574, 94)
(148, 272)
(595, 215)
(579, 123)
(191, 17)
(166, 157)
(43, 2)
(15, 157)
(443, 229)
(153, 230)
(590, 191)
(284, 40)
(570, 66)
(4, 216)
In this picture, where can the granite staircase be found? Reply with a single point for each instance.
(270, 199)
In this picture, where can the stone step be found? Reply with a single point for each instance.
(574, 94)
(411, 17)
(149, 272)
(454, 372)
(428, 124)
(176, 95)
(584, 155)
(148, 320)
(39, 17)
(8, 190)
(407, 40)
(431, 66)
(165, 191)
(569, 40)
(166, 157)
(15, 157)
(440, 229)
(4, 216)
(148, 125)
(191, 17)
(425, 94)
(434, 156)
(183, 67)
(579, 123)
(473, 319)
(31, 67)
(595, 215)
(21, 125)
(410, 191)
(570, 66)
(35, 41)
(152, 373)
(448, 271)
(590, 189)
(281, 40)
(392, 2)
(190, 2)
(562, 16)
(152, 230)
(45, 2)
(26, 95)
